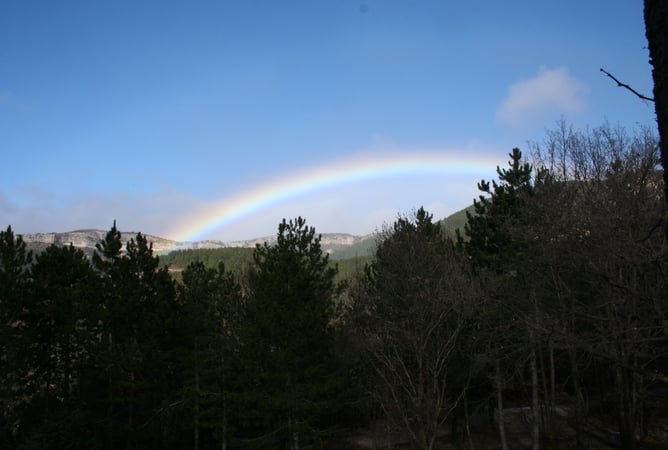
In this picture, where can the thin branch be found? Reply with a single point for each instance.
(620, 84)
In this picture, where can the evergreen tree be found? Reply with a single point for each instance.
(288, 344)
(146, 321)
(60, 329)
(15, 260)
(487, 241)
(501, 259)
(109, 250)
(136, 361)
(62, 340)
(107, 261)
(210, 301)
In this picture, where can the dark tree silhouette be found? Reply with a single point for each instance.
(656, 26)
(411, 314)
(288, 352)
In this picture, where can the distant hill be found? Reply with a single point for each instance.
(340, 246)
(456, 220)
(86, 240)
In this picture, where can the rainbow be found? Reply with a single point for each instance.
(357, 169)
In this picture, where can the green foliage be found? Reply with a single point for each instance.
(14, 260)
(347, 269)
(236, 259)
(488, 241)
(63, 289)
(288, 352)
(211, 313)
(138, 317)
(14, 291)
(109, 249)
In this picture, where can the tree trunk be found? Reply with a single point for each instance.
(547, 405)
(626, 414)
(499, 405)
(550, 393)
(295, 440)
(553, 393)
(223, 426)
(223, 420)
(110, 398)
(579, 400)
(467, 422)
(197, 394)
(656, 24)
(389, 435)
(535, 408)
(131, 414)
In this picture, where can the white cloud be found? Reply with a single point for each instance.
(550, 91)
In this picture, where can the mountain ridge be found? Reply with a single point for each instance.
(338, 245)
(86, 239)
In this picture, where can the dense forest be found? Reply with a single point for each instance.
(541, 322)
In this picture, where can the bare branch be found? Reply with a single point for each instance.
(620, 84)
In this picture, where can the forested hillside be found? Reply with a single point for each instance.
(236, 259)
(348, 259)
(542, 321)
(239, 261)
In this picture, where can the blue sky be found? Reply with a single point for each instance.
(152, 112)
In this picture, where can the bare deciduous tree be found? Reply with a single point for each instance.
(607, 259)
(411, 314)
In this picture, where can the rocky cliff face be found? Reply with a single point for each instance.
(86, 240)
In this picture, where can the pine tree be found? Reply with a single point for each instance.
(210, 301)
(109, 249)
(61, 330)
(288, 347)
(62, 342)
(145, 322)
(138, 316)
(488, 241)
(15, 260)
(501, 257)
(107, 261)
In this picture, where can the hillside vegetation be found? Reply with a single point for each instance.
(238, 260)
